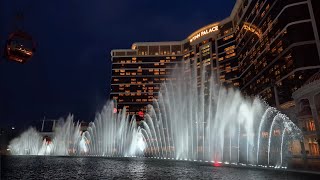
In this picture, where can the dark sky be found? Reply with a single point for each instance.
(71, 70)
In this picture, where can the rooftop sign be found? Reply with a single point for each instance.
(204, 32)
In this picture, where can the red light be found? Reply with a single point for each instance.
(140, 113)
(115, 110)
(216, 164)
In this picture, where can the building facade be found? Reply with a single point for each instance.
(263, 48)
(307, 100)
(278, 47)
(137, 73)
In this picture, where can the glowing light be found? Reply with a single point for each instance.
(204, 32)
(216, 164)
(252, 28)
(140, 113)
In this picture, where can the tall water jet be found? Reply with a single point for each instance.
(208, 122)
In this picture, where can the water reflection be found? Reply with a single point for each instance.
(24, 167)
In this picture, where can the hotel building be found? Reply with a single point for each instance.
(137, 73)
(263, 48)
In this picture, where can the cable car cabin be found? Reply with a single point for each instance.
(20, 47)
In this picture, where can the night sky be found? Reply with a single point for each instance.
(71, 70)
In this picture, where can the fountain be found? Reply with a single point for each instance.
(29, 142)
(194, 119)
(111, 134)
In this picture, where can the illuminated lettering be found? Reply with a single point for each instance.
(203, 33)
(253, 29)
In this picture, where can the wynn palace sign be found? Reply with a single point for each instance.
(207, 31)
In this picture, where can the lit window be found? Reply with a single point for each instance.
(228, 37)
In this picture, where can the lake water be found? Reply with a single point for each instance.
(41, 167)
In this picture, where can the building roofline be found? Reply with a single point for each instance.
(155, 43)
(235, 8)
(225, 20)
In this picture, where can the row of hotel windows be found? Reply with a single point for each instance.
(228, 37)
(228, 56)
(134, 95)
(144, 89)
(139, 70)
(159, 50)
(143, 66)
(149, 80)
(138, 93)
(149, 98)
(139, 73)
(137, 100)
(133, 60)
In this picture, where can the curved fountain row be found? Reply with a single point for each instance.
(193, 119)
(197, 120)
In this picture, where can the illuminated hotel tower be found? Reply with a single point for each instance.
(137, 73)
(263, 48)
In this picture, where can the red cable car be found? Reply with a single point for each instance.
(20, 47)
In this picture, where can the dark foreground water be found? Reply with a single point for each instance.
(38, 167)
